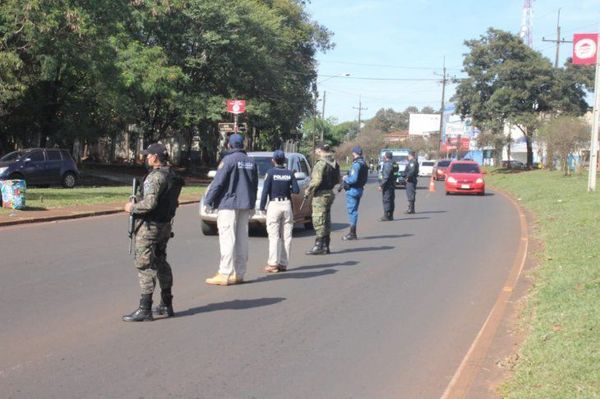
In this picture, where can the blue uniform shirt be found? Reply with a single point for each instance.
(280, 182)
(235, 184)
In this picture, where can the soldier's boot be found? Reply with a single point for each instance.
(411, 207)
(318, 248)
(387, 216)
(165, 308)
(351, 235)
(327, 240)
(144, 312)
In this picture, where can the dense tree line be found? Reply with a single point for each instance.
(509, 83)
(88, 69)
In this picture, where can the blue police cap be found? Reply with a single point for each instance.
(278, 155)
(236, 140)
(357, 150)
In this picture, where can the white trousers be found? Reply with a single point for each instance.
(233, 240)
(280, 223)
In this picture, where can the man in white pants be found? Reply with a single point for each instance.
(279, 185)
(233, 192)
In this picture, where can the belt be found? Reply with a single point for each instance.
(280, 199)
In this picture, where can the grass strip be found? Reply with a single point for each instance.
(560, 357)
(53, 198)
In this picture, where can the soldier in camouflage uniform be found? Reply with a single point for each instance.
(154, 209)
(325, 175)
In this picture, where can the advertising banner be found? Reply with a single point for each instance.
(585, 48)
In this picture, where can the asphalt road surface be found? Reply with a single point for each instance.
(388, 316)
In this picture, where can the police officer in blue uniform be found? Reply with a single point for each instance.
(411, 173)
(354, 183)
(386, 186)
(280, 184)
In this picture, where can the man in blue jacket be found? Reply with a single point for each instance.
(233, 193)
(354, 183)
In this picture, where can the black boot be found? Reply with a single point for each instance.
(351, 235)
(326, 241)
(165, 308)
(411, 208)
(319, 247)
(387, 216)
(144, 312)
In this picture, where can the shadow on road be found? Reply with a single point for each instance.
(385, 236)
(325, 265)
(237, 304)
(410, 218)
(291, 275)
(364, 249)
(432, 212)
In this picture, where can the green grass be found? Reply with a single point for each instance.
(560, 357)
(51, 198)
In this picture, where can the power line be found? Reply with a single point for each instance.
(387, 66)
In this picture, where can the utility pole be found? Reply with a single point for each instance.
(558, 40)
(444, 81)
(360, 109)
(323, 114)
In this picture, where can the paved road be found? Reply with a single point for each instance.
(388, 316)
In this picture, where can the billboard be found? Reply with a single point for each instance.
(423, 124)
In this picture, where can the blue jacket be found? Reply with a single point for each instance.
(235, 184)
(357, 176)
(279, 183)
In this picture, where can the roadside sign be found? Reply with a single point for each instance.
(236, 106)
(229, 127)
(585, 48)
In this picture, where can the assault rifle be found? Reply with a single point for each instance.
(131, 228)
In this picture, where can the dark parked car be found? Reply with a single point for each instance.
(514, 164)
(40, 166)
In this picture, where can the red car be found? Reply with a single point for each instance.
(464, 177)
(439, 170)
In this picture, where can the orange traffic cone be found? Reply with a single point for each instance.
(431, 185)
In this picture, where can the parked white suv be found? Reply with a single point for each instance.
(294, 161)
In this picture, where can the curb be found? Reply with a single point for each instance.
(80, 215)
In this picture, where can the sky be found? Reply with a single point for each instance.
(394, 50)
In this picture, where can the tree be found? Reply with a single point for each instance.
(510, 83)
(566, 135)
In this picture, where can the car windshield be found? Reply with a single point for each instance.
(263, 164)
(400, 158)
(12, 156)
(465, 168)
(443, 163)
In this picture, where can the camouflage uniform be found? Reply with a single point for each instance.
(152, 237)
(322, 198)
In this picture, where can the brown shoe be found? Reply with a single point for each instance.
(220, 279)
(271, 269)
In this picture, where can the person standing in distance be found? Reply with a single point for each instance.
(354, 183)
(386, 186)
(233, 193)
(280, 184)
(325, 175)
(154, 211)
(411, 173)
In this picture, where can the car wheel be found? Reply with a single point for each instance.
(447, 192)
(481, 193)
(208, 229)
(69, 180)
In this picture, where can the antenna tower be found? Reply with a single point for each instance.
(527, 23)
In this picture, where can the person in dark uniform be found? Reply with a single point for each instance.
(154, 210)
(354, 183)
(386, 186)
(411, 173)
(280, 184)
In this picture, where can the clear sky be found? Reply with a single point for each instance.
(394, 49)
